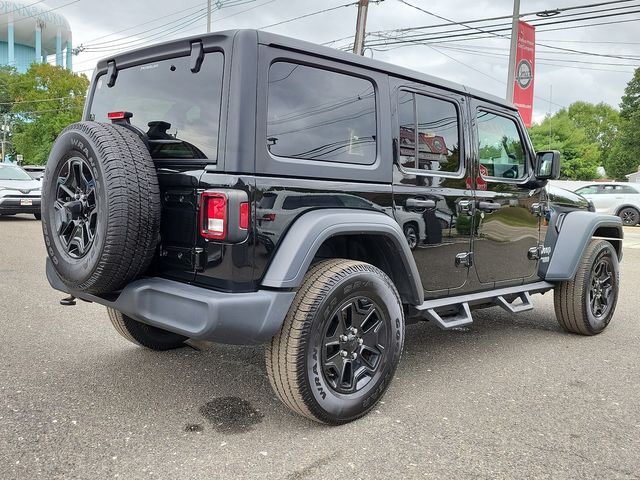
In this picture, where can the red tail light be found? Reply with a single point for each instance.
(244, 216)
(213, 222)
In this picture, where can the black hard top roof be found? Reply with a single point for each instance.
(182, 46)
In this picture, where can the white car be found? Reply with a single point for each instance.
(615, 198)
(19, 193)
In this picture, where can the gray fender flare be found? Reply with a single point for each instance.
(567, 245)
(310, 230)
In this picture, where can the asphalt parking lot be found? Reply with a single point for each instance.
(510, 397)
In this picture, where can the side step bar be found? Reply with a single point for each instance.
(462, 315)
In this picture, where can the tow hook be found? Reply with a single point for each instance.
(68, 301)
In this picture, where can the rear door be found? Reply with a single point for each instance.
(506, 197)
(176, 107)
(430, 186)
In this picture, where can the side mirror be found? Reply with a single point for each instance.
(548, 165)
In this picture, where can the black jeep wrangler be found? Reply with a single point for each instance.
(246, 188)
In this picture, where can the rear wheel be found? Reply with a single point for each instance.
(586, 304)
(144, 335)
(340, 343)
(630, 216)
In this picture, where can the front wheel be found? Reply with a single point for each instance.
(340, 343)
(585, 305)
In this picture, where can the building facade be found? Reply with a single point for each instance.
(30, 33)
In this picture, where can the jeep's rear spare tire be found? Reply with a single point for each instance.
(101, 207)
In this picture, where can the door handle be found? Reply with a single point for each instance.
(489, 206)
(419, 203)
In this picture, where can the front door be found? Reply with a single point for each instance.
(429, 182)
(507, 197)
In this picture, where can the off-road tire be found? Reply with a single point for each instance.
(572, 299)
(127, 199)
(629, 216)
(144, 335)
(293, 357)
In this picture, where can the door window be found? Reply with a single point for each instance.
(500, 147)
(429, 133)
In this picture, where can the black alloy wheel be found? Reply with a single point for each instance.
(354, 345)
(630, 216)
(340, 343)
(601, 287)
(76, 207)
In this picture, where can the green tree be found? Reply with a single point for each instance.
(8, 76)
(580, 152)
(599, 121)
(45, 100)
(625, 155)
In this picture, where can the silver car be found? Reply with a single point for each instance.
(615, 198)
(19, 193)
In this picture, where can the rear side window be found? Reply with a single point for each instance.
(177, 109)
(429, 133)
(625, 189)
(316, 114)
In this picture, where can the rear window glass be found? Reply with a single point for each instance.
(177, 109)
(316, 114)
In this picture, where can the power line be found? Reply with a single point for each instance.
(27, 17)
(310, 15)
(496, 28)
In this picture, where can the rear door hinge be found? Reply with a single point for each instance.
(199, 261)
(464, 259)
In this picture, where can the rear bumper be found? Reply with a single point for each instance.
(195, 312)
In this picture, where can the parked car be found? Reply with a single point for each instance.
(615, 198)
(36, 171)
(310, 151)
(19, 192)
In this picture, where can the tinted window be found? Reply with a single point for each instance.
(501, 149)
(177, 109)
(625, 189)
(432, 124)
(590, 190)
(316, 114)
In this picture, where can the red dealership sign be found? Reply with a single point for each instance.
(525, 67)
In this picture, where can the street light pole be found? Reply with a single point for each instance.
(512, 52)
(361, 25)
(208, 16)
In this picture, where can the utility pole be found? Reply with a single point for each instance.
(208, 16)
(512, 52)
(361, 25)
